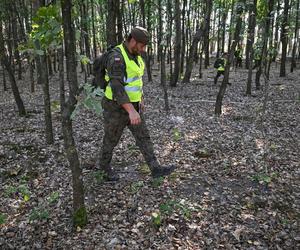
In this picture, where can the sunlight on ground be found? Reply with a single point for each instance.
(259, 143)
(193, 136)
(226, 109)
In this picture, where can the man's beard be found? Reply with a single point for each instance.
(135, 51)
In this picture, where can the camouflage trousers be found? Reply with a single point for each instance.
(219, 73)
(115, 120)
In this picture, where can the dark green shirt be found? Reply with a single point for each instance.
(116, 70)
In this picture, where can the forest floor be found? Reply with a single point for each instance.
(236, 185)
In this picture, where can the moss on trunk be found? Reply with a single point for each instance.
(80, 217)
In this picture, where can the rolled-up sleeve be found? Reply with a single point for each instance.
(116, 71)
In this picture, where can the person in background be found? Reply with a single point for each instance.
(220, 65)
(257, 57)
(238, 57)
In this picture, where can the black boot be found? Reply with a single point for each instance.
(215, 80)
(109, 173)
(162, 171)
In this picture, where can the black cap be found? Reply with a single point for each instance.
(140, 34)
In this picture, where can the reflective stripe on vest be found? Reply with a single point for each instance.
(131, 88)
(134, 82)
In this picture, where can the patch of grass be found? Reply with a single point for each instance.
(176, 175)
(136, 186)
(157, 182)
(9, 191)
(20, 190)
(156, 219)
(168, 207)
(226, 164)
(144, 169)
(180, 207)
(100, 176)
(80, 217)
(39, 214)
(53, 198)
(264, 178)
(176, 134)
(285, 221)
(55, 106)
(2, 218)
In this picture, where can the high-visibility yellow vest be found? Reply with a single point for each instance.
(133, 81)
(222, 67)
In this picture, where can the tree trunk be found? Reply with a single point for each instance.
(25, 39)
(251, 32)
(149, 49)
(5, 61)
(276, 42)
(182, 57)
(263, 62)
(193, 48)
(61, 79)
(206, 32)
(111, 32)
(218, 34)
(119, 10)
(249, 47)
(230, 25)
(79, 210)
(49, 63)
(296, 38)
(235, 41)
(224, 17)
(42, 78)
(142, 8)
(31, 76)
(169, 38)
(4, 78)
(16, 41)
(200, 63)
(163, 78)
(284, 38)
(175, 75)
(93, 29)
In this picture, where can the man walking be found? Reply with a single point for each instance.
(220, 64)
(123, 103)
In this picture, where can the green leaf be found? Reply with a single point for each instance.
(156, 182)
(99, 176)
(156, 219)
(2, 218)
(39, 52)
(84, 59)
(9, 191)
(26, 197)
(38, 214)
(54, 196)
(98, 91)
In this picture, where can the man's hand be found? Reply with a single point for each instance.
(134, 116)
